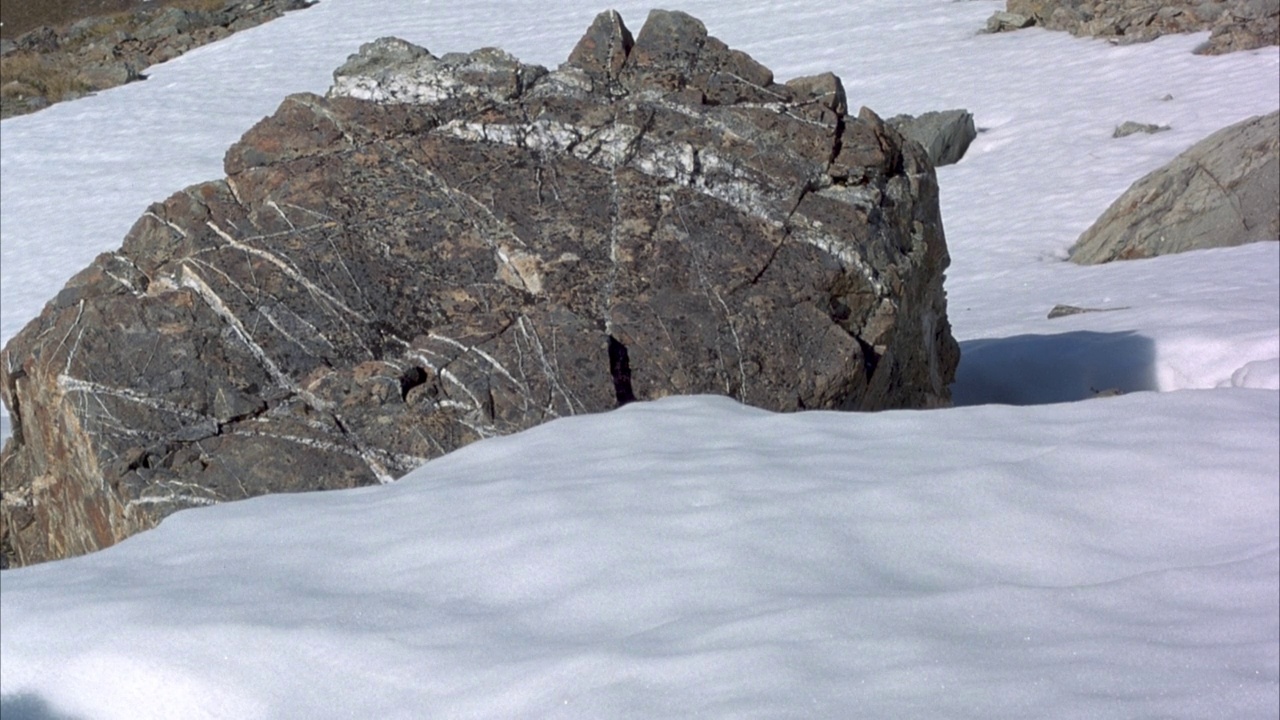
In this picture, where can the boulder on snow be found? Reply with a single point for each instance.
(1235, 24)
(944, 135)
(1129, 127)
(450, 248)
(1223, 191)
(1001, 21)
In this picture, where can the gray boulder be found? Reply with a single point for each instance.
(1002, 21)
(1223, 191)
(451, 248)
(944, 135)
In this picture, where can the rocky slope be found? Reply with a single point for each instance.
(50, 64)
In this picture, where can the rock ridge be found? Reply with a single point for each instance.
(1235, 24)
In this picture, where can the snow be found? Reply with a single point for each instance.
(693, 557)
(1115, 557)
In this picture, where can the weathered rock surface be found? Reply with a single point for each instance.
(1223, 191)
(1236, 24)
(945, 135)
(48, 65)
(447, 249)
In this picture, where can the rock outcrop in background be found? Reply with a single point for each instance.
(448, 249)
(1223, 191)
(1235, 24)
(50, 64)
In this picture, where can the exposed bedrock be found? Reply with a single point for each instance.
(450, 248)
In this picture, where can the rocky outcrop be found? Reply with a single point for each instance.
(944, 135)
(1235, 24)
(1223, 191)
(48, 65)
(450, 248)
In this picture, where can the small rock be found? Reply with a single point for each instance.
(1065, 310)
(1006, 21)
(1129, 127)
(944, 135)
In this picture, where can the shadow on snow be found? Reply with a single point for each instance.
(1043, 369)
(27, 706)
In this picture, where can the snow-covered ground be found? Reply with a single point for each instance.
(1116, 557)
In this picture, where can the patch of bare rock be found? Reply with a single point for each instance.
(1223, 191)
(48, 64)
(1235, 24)
(445, 249)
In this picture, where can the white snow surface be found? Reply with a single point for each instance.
(1049, 556)
(693, 557)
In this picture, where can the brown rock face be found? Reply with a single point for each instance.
(448, 249)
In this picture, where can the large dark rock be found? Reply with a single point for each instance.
(1223, 191)
(1235, 24)
(447, 249)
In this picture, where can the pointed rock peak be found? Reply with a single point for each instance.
(603, 51)
(673, 29)
(666, 51)
(870, 117)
